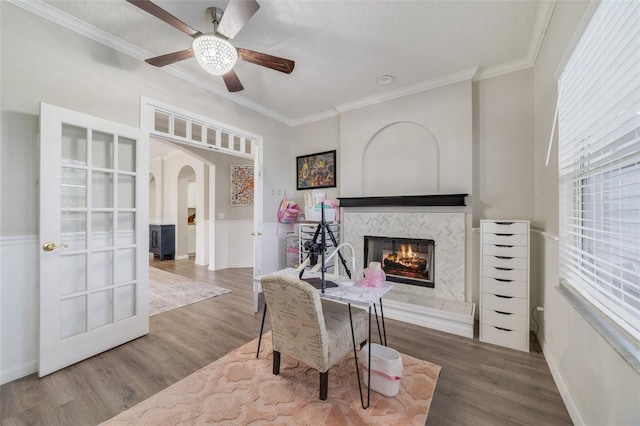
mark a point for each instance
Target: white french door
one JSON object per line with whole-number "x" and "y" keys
{"x": 93, "y": 236}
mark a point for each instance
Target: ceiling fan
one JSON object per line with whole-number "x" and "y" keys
{"x": 212, "y": 50}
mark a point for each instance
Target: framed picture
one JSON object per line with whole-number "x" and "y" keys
{"x": 241, "y": 185}
{"x": 316, "y": 170}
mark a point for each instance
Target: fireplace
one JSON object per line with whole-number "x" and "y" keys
{"x": 404, "y": 260}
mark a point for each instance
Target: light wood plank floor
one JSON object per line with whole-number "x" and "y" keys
{"x": 480, "y": 384}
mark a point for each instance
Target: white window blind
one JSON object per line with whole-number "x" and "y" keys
{"x": 599, "y": 164}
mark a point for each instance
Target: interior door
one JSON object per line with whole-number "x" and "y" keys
{"x": 257, "y": 211}
{"x": 93, "y": 235}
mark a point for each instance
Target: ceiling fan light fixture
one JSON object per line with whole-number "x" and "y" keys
{"x": 216, "y": 55}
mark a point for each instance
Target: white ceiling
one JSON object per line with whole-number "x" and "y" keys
{"x": 340, "y": 47}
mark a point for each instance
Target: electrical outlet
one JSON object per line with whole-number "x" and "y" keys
{"x": 540, "y": 308}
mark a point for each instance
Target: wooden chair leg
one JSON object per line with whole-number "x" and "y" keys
{"x": 324, "y": 385}
{"x": 276, "y": 362}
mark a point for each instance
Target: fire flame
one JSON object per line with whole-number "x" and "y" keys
{"x": 406, "y": 255}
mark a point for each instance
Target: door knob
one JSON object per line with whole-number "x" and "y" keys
{"x": 49, "y": 246}
{"x": 253, "y": 234}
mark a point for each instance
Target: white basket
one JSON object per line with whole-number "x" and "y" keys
{"x": 315, "y": 215}
{"x": 386, "y": 369}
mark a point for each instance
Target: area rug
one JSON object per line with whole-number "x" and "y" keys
{"x": 239, "y": 389}
{"x": 169, "y": 291}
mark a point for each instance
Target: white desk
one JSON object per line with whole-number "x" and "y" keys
{"x": 365, "y": 297}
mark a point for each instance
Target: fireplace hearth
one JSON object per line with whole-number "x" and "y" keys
{"x": 404, "y": 260}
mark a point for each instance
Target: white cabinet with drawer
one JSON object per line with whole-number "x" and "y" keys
{"x": 504, "y": 283}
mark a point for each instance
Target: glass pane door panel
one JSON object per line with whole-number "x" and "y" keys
{"x": 126, "y": 192}
{"x": 179, "y": 127}
{"x": 74, "y": 145}
{"x": 101, "y": 308}
{"x": 126, "y": 154}
{"x": 126, "y": 229}
{"x": 196, "y": 132}
{"x": 102, "y": 189}
{"x": 211, "y": 136}
{"x": 125, "y": 301}
{"x": 102, "y": 150}
{"x": 161, "y": 122}
{"x": 101, "y": 269}
{"x": 73, "y": 274}
{"x": 101, "y": 230}
{"x": 73, "y": 230}
{"x": 126, "y": 265}
{"x": 73, "y": 188}
{"x": 73, "y": 316}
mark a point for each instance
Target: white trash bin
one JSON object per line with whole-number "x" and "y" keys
{"x": 386, "y": 368}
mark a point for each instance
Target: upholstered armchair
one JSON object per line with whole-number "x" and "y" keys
{"x": 314, "y": 331}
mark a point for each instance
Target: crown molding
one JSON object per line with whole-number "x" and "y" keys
{"x": 46, "y": 11}
{"x": 409, "y": 90}
{"x": 314, "y": 117}
{"x": 543, "y": 18}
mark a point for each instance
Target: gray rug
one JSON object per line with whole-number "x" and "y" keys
{"x": 169, "y": 291}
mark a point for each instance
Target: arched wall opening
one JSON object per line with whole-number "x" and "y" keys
{"x": 415, "y": 169}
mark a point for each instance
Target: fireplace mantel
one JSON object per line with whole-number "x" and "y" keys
{"x": 405, "y": 200}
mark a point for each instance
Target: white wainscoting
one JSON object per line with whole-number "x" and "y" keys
{"x": 19, "y": 306}
{"x": 232, "y": 244}
{"x": 271, "y": 249}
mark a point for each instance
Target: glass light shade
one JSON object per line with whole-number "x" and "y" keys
{"x": 214, "y": 54}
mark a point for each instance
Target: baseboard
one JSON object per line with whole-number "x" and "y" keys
{"x": 576, "y": 418}
{"x": 449, "y": 322}
{"x": 18, "y": 372}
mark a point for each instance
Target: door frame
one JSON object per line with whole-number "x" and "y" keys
{"x": 247, "y": 145}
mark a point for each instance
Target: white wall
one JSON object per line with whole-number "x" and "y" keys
{"x": 42, "y": 62}
{"x": 503, "y": 166}
{"x": 445, "y": 112}
{"x": 598, "y": 386}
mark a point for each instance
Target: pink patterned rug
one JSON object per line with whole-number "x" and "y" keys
{"x": 239, "y": 389}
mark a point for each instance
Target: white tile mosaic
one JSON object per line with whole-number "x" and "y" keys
{"x": 446, "y": 229}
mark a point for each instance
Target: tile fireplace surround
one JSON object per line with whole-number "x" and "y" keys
{"x": 443, "y": 307}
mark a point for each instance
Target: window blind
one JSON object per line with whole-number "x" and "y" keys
{"x": 599, "y": 164}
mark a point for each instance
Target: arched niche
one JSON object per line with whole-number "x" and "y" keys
{"x": 401, "y": 158}
{"x": 186, "y": 175}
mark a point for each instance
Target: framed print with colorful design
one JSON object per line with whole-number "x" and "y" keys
{"x": 316, "y": 170}
{"x": 241, "y": 185}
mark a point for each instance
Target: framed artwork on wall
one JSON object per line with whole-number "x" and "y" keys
{"x": 316, "y": 170}
{"x": 241, "y": 185}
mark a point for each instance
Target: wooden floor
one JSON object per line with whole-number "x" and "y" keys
{"x": 480, "y": 384}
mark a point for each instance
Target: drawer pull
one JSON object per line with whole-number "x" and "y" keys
{"x": 503, "y": 296}
{"x": 503, "y": 269}
{"x": 502, "y": 245}
{"x": 503, "y": 257}
{"x": 504, "y": 223}
{"x": 502, "y": 313}
{"x": 504, "y": 235}
{"x": 503, "y": 280}
{"x": 500, "y": 328}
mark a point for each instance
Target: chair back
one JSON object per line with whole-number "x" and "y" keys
{"x": 297, "y": 322}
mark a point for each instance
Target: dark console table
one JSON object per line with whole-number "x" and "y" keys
{"x": 162, "y": 241}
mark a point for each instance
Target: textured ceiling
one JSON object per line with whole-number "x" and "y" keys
{"x": 340, "y": 47}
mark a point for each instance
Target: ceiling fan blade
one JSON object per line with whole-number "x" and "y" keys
{"x": 266, "y": 60}
{"x": 237, "y": 13}
{"x": 162, "y": 14}
{"x": 232, "y": 81}
{"x": 170, "y": 58}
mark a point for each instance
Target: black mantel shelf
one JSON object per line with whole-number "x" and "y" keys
{"x": 405, "y": 200}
